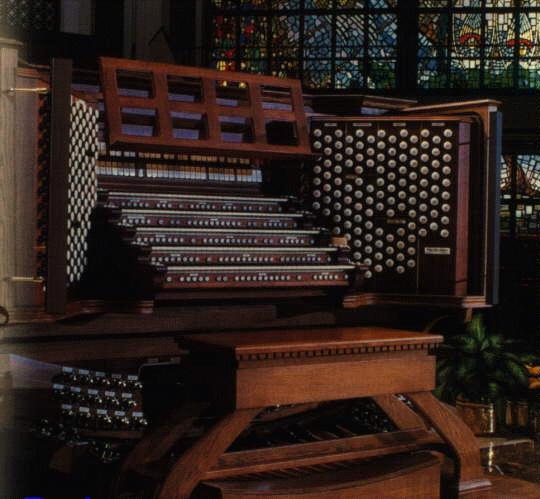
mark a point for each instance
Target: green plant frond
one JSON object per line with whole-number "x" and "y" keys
{"x": 476, "y": 328}
{"x": 518, "y": 372}
{"x": 530, "y": 359}
{"x": 514, "y": 358}
{"x": 493, "y": 390}
{"x": 491, "y": 359}
{"x": 468, "y": 344}
{"x": 446, "y": 372}
{"x": 496, "y": 341}
{"x": 481, "y": 366}
{"x": 484, "y": 345}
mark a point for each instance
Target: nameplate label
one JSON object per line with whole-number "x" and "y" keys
{"x": 437, "y": 251}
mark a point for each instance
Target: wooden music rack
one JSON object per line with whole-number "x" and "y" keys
{"x": 194, "y": 109}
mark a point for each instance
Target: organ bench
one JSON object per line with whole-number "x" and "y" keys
{"x": 247, "y": 373}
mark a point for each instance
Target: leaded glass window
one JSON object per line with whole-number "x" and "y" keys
{"x": 29, "y": 15}
{"x": 520, "y": 189}
{"x": 479, "y": 44}
{"x": 343, "y": 44}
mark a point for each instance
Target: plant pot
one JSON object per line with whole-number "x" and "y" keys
{"x": 517, "y": 414}
{"x": 480, "y": 418}
{"x": 534, "y": 421}
{"x": 522, "y": 414}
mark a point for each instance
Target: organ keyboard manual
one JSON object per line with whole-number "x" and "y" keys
{"x": 204, "y": 185}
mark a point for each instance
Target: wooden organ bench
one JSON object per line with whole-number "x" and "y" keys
{"x": 250, "y": 372}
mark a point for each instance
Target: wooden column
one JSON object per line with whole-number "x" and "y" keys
{"x": 8, "y": 248}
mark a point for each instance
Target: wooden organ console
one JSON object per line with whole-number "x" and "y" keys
{"x": 171, "y": 185}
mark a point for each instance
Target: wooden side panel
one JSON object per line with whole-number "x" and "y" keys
{"x": 26, "y": 293}
{"x": 8, "y": 166}
{"x": 58, "y": 186}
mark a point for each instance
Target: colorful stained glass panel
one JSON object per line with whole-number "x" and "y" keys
{"x": 350, "y": 4}
{"x": 349, "y": 36}
{"x": 349, "y": 74}
{"x": 382, "y": 35}
{"x": 267, "y": 36}
{"x": 530, "y": 165}
{"x": 381, "y": 74}
{"x": 318, "y": 4}
{"x": 317, "y": 73}
{"x": 317, "y": 37}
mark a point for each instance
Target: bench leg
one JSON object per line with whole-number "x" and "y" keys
{"x": 399, "y": 412}
{"x": 461, "y": 440}
{"x": 190, "y": 467}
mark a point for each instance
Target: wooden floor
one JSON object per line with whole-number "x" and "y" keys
{"x": 512, "y": 488}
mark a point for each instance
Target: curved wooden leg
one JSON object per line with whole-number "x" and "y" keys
{"x": 460, "y": 439}
{"x": 156, "y": 443}
{"x": 399, "y": 412}
{"x": 188, "y": 470}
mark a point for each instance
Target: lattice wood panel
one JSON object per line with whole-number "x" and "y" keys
{"x": 179, "y": 108}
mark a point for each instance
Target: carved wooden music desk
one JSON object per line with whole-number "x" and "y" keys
{"x": 249, "y": 371}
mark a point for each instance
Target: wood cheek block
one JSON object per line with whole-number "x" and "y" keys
{"x": 266, "y": 368}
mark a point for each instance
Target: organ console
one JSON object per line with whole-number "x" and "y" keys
{"x": 170, "y": 184}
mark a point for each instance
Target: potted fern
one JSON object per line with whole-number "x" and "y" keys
{"x": 476, "y": 370}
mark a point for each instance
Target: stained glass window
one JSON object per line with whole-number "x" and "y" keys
{"x": 343, "y": 44}
{"x": 520, "y": 188}
{"x": 479, "y": 43}
{"x": 29, "y": 15}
